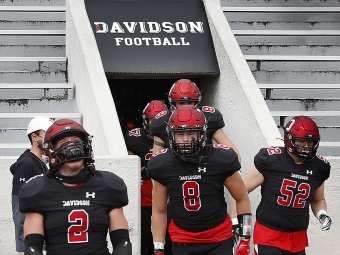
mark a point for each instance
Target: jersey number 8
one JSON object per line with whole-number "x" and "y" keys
{"x": 191, "y": 195}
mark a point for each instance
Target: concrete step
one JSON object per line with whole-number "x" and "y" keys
{"x": 9, "y": 91}
{"x": 10, "y": 25}
{"x": 22, "y": 66}
{"x": 32, "y": 40}
{"x": 7, "y": 150}
{"x": 315, "y": 50}
{"x": 293, "y": 66}
{"x": 32, "y": 51}
{"x": 327, "y": 134}
{"x": 302, "y": 94}
{"x": 32, "y": 2}
{"x": 50, "y": 104}
{"x": 38, "y": 16}
{"x": 303, "y": 105}
{"x": 33, "y": 77}
{"x": 282, "y": 17}
{"x": 21, "y": 120}
{"x": 292, "y": 25}
{"x": 324, "y": 121}
{"x": 296, "y": 76}
{"x": 289, "y": 40}
{"x": 280, "y": 3}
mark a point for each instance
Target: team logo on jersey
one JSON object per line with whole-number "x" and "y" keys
{"x": 190, "y": 177}
{"x": 92, "y": 195}
{"x": 22, "y": 179}
{"x": 76, "y": 202}
{"x": 309, "y": 172}
{"x": 202, "y": 169}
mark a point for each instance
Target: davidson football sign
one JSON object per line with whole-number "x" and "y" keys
{"x": 153, "y": 37}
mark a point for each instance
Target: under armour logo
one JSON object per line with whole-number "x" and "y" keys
{"x": 309, "y": 172}
{"x": 204, "y": 169}
{"x": 22, "y": 179}
{"x": 93, "y": 194}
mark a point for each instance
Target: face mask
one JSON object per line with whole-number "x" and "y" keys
{"x": 45, "y": 159}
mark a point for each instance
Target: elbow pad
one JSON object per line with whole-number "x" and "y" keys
{"x": 121, "y": 242}
{"x": 244, "y": 221}
{"x": 34, "y": 244}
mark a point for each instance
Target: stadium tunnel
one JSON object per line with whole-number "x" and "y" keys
{"x": 132, "y": 95}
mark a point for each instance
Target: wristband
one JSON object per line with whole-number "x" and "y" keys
{"x": 321, "y": 212}
{"x": 234, "y": 221}
{"x": 158, "y": 245}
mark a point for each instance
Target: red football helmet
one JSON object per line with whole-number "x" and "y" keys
{"x": 304, "y": 128}
{"x": 187, "y": 119}
{"x": 184, "y": 90}
{"x": 151, "y": 110}
{"x": 65, "y": 153}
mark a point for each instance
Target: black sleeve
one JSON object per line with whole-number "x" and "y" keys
{"x": 225, "y": 160}
{"x": 25, "y": 169}
{"x": 214, "y": 120}
{"x": 157, "y": 166}
{"x": 261, "y": 160}
{"x": 118, "y": 196}
{"x": 30, "y": 194}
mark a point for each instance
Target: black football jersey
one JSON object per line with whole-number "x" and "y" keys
{"x": 196, "y": 190}
{"x": 140, "y": 143}
{"x": 288, "y": 188}
{"x": 76, "y": 220}
{"x": 213, "y": 116}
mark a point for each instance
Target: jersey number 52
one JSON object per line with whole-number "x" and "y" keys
{"x": 287, "y": 191}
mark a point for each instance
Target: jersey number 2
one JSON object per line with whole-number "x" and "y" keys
{"x": 191, "y": 196}
{"x": 299, "y": 200}
{"x": 77, "y": 233}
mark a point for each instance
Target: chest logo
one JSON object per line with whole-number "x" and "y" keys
{"x": 309, "y": 172}
{"x": 203, "y": 169}
{"x": 92, "y": 195}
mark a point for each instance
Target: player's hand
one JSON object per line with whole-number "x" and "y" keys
{"x": 243, "y": 248}
{"x": 236, "y": 235}
{"x": 159, "y": 252}
{"x": 325, "y": 222}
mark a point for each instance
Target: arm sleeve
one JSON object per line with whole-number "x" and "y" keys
{"x": 24, "y": 171}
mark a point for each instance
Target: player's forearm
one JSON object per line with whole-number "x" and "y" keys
{"x": 243, "y": 206}
{"x": 318, "y": 206}
{"x": 159, "y": 221}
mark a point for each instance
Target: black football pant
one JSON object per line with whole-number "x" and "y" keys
{"x": 146, "y": 234}
{"x": 220, "y": 248}
{"x": 271, "y": 250}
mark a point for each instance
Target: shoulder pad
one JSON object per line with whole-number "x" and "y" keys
{"x": 28, "y": 193}
{"x": 119, "y": 194}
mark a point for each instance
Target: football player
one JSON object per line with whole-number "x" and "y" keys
{"x": 193, "y": 175}
{"x": 186, "y": 92}
{"x": 73, "y": 206}
{"x": 292, "y": 179}
{"x": 139, "y": 142}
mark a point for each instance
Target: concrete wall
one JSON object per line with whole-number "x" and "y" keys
{"x": 250, "y": 125}
{"x": 85, "y": 70}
